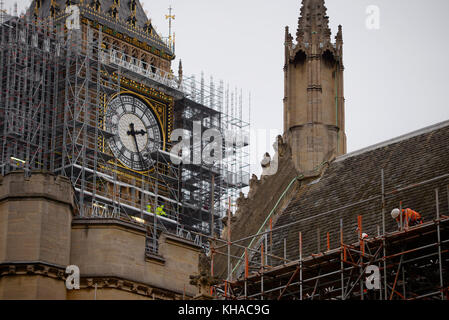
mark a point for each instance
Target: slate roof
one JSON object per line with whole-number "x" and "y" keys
{"x": 351, "y": 186}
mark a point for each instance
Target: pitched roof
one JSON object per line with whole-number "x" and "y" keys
{"x": 351, "y": 186}
{"x": 104, "y": 17}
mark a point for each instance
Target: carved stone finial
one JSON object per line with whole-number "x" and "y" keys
{"x": 253, "y": 180}
{"x": 280, "y": 146}
{"x": 180, "y": 72}
{"x": 265, "y": 163}
{"x": 288, "y": 37}
{"x": 339, "y": 36}
{"x": 241, "y": 200}
{"x": 253, "y": 184}
{"x": 204, "y": 280}
{"x": 313, "y": 20}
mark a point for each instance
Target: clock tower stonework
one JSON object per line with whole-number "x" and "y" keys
{"x": 314, "y": 104}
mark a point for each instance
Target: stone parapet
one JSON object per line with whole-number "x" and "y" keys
{"x": 35, "y": 223}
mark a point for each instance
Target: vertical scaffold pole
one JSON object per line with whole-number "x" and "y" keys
{"x": 246, "y": 273}
{"x": 362, "y": 253}
{"x": 341, "y": 261}
{"x": 383, "y": 235}
{"x": 155, "y": 217}
{"x": 404, "y": 289}
{"x": 226, "y": 289}
{"x": 285, "y": 250}
{"x": 318, "y": 240}
{"x": 261, "y": 270}
{"x": 212, "y": 253}
{"x": 362, "y": 241}
{"x": 271, "y": 240}
{"x": 300, "y": 265}
{"x": 439, "y": 243}
{"x": 266, "y": 250}
{"x": 212, "y": 207}
{"x": 229, "y": 239}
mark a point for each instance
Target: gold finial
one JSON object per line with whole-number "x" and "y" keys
{"x": 169, "y": 17}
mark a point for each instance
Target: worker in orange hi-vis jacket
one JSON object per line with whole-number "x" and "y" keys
{"x": 409, "y": 217}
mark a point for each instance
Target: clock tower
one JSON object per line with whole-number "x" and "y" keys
{"x": 115, "y": 109}
{"x": 91, "y": 96}
{"x": 88, "y": 107}
{"x": 314, "y": 110}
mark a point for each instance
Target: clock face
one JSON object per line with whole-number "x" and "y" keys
{"x": 136, "y": 132}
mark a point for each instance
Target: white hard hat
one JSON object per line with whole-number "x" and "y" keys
{"x": 395, "y": 213}
{"x": 364, "y": 235}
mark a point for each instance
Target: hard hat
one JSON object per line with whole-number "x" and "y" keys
{"x": 395, "y": 213}
{"x": 364, "y": 235}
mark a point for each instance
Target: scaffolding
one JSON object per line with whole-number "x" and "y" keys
{"x": 2, "y": 12}
{"x": 55, "y": 85}
{"x": 206, "y": 108}
{"x": 409, "y": 263}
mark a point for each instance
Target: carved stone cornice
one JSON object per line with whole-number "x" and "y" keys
{"x": 32, "y": 268}
{"x": 87, "y": 282}
{"x": 39, "y": 268}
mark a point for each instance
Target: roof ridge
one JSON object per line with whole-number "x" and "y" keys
{"x": 394, "y": 140}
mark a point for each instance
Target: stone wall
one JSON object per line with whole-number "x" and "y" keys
{"x": 39, "y": 238}
{"x": 31, "y": 287}
{"x": 35, "y": 223}
{"x": 114, "y": 251}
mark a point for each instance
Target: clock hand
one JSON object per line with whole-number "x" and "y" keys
{"x": 142, "y": 132}
{"x": 132, "y": 132}
{"x": 140, "y": 154}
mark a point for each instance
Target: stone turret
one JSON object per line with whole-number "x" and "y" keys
{"x": 314, "y": 116}
{"x": 35, "y": 235}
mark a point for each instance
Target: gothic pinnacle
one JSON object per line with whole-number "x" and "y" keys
{"x": 339, "y": 36}
{"x": 313, "y": 20}
{"x": 288, "y": 36}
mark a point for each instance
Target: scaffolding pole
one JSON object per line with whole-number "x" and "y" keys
{"x": 338, "y": 273}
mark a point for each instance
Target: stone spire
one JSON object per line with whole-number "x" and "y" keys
{"x": 313, "y": 21}
{"x": 339, "y": 39}
{"x": 180, "y": 73}
{"x": 314, "y": 104}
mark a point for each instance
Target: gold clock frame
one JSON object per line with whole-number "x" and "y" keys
{"x": 155, "y": 112}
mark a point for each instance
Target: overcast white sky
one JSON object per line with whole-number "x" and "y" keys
{"x": 396, "y": 78}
